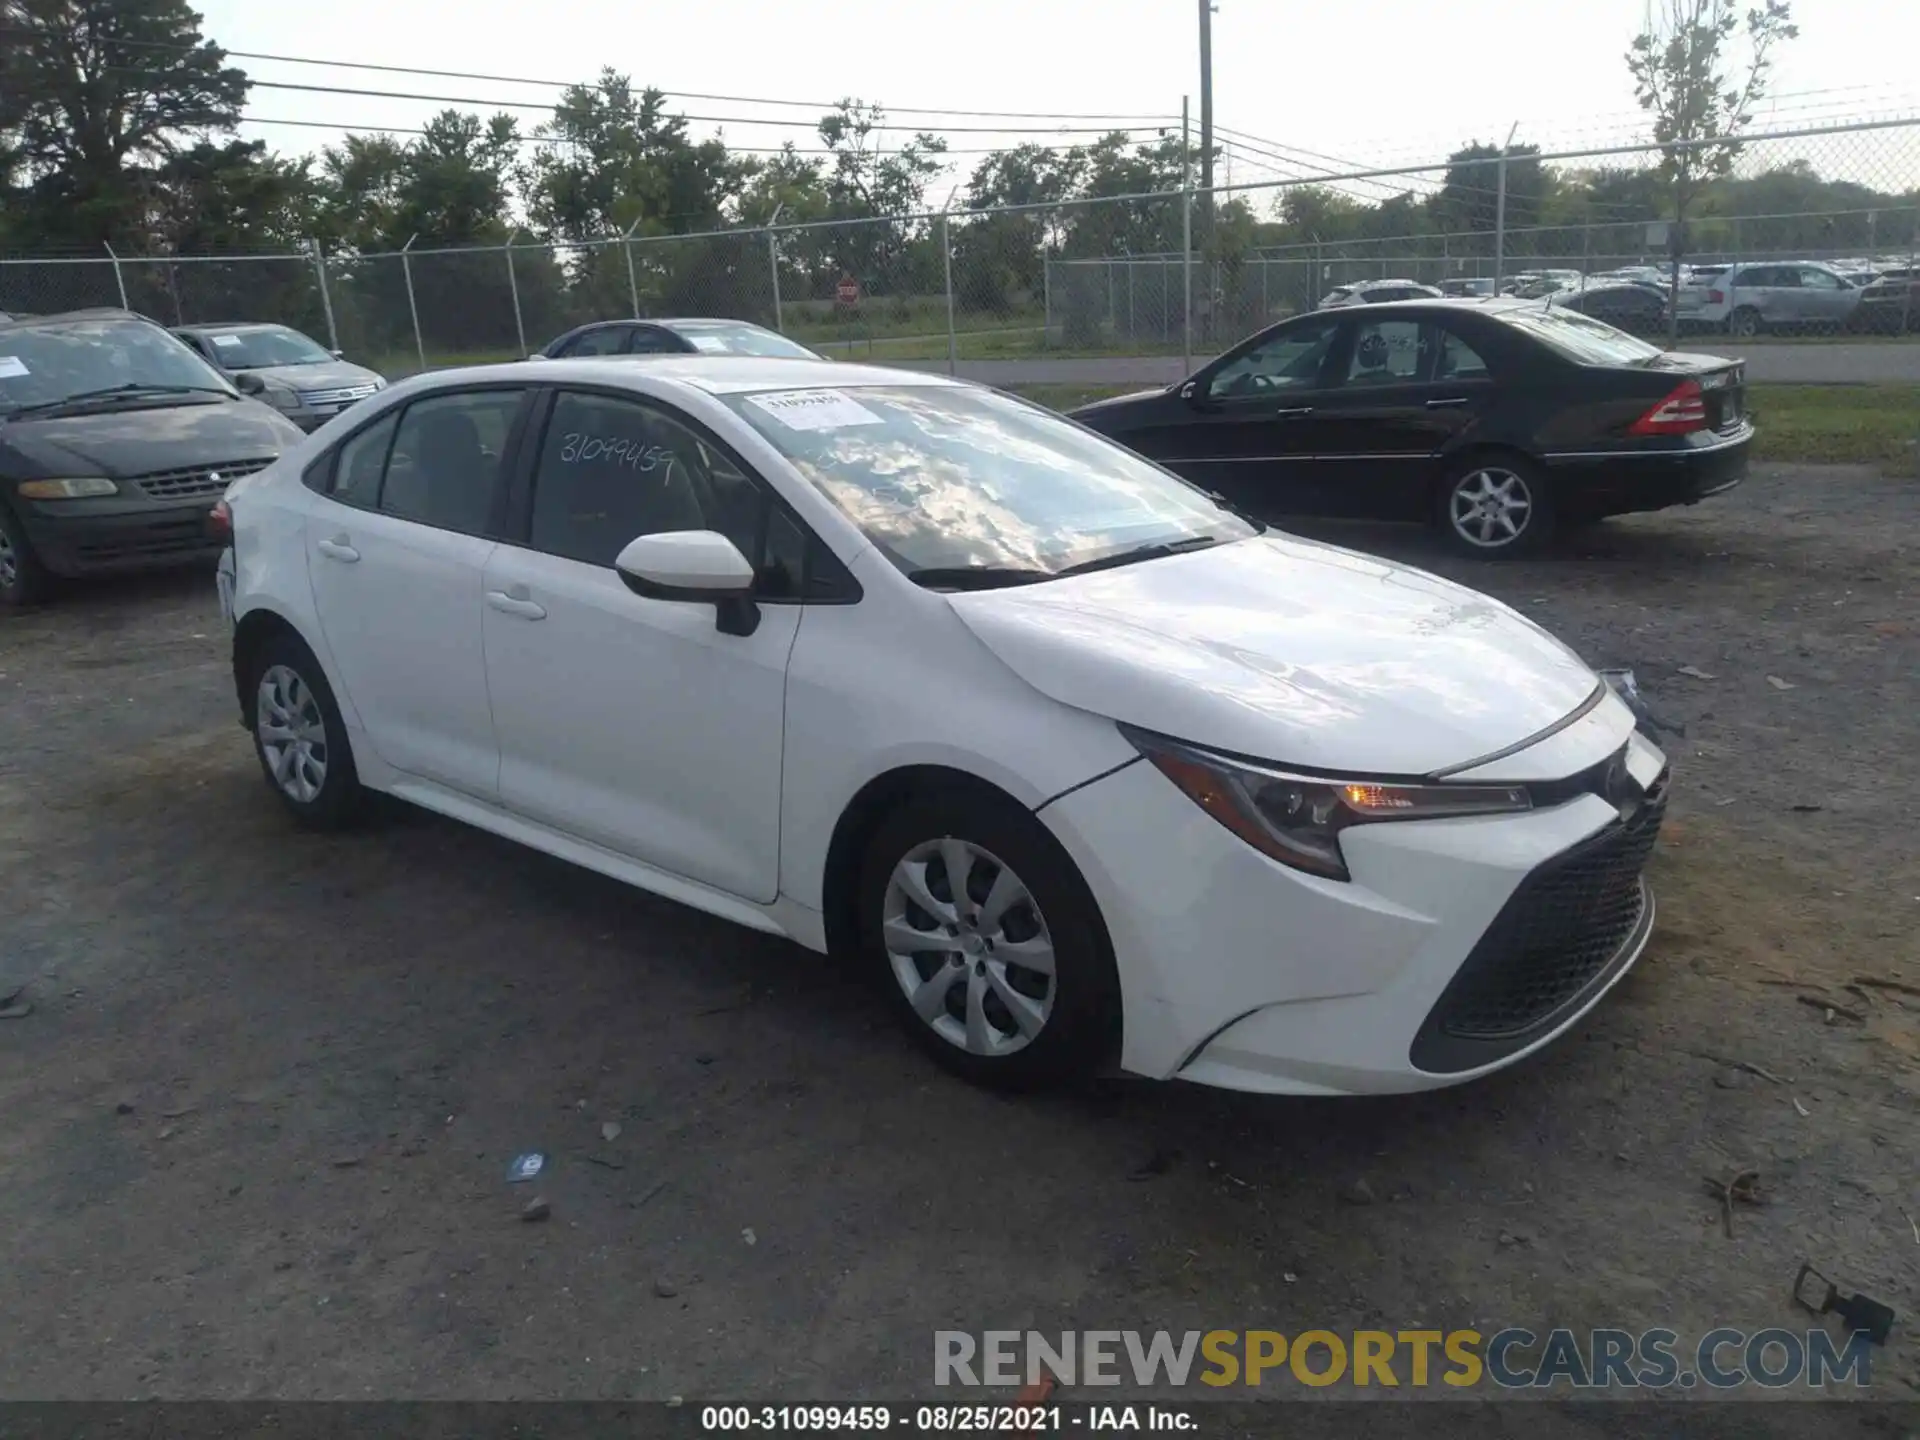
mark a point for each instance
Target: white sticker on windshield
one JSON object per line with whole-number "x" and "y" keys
{"x": 709, "y": 344}
{"x": 12, "y": 367}
{"x": 815, "y": 409}
{"x": 226, "y": 341}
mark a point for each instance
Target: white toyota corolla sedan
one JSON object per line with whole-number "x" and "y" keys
{"x": 1082, "y": 767}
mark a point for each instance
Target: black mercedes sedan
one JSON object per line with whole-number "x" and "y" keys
{"x": 116, "y": 441}
{"x": 1492, "y": 420}
{"x": 674, "y": 337}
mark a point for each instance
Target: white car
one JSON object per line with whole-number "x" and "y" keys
{"x": 1081, "y": 766}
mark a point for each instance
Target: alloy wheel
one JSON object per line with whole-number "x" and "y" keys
{"x": 9, "y": 563}
{"x": 968, "y": 946}
{"x": 1490, "y": 508}
{"x": 292, "y": 734}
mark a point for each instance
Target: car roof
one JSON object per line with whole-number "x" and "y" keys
{"x": 1457, "y": 304}
{"x": 98, "y": 312}
{"x": 709, "y": 374}
{"x": 231, "y": 327}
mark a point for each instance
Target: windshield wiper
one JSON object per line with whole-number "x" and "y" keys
{"x": 976, "y": 577}
{"x": 114, "y": 392}
{"x": 1158, "y": 550}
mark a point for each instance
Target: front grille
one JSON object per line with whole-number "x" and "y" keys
{"x": 196, "y": 480}
{"x": 340, "y": 395}
{"x": 1556, "y": 936}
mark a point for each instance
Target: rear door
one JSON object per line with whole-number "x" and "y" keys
{"x": 1247, "y": 432}
{"x": 1410, "y": 386}
{"x": 1825, "y": 301}
{"x": 396, "y": 548}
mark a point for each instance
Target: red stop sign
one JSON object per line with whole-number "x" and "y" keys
{"x": 847, "y": 292}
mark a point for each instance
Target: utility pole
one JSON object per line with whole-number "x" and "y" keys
{"x": 1206, "y": 157}
{"x": 1186, "y": 242}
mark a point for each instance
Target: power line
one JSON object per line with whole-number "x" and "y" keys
{"x": 346, "y": 128}
{"x": 821, "y": 105}
{"x": 695, "y": 119}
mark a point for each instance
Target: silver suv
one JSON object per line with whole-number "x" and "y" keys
{"x": 1746, "y": 299}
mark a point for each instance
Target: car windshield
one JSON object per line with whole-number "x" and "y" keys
{"x": 1581, "y": 338}
{"x": 42, "y": 364}
{"x": 722, "y": 339}
{"x": 946, "y": 478}
{"x": 263, "y": 348}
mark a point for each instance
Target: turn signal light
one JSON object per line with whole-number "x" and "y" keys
{"x": 220, "y": 523}
{"x": 1681, "y": 413}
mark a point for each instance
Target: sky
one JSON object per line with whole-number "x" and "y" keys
{"x": 1298, "y": 88}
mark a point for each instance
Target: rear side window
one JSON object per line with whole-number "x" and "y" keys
{"x": 444, "y": 468}
{"x": 362, "y": 460}
{"x": 648, "y": 340}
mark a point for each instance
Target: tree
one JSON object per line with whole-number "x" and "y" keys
{"x": 1468, "y": 201}
{"x": 1701, "y": 97}
{"x": 95, "y": 95}
{"x": 867, "y": 182}
{"x": 999, "y": 259}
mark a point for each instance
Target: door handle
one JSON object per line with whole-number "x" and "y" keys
{"x": 338, "y": 549}
{"x": 1292, "y": 413}
{"x": 1447, "y": 403}
{"x": 515, "y": 601}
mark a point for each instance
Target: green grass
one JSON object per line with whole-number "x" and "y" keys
{"x": 1837, "y": 424}
{"x": 1803, "y": 424}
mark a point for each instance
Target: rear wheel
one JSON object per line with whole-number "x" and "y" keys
{"x": 987, "y": 942}
{"x": 23, "y": 579}
{"x": 1744, "y": 323}
{"x": 299, "y": 735}
{"x": 1495, "y": 506}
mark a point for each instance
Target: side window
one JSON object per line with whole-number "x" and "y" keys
{"x": 611, "y": 470}
{"x": 1289, "y": 360}
{"x": 360, "y": 463}
{"x": 1458, "y": 360}
{"x": 1388, "y": 352}
{"x": 1812, "y": 279}
{"x": 446, "y": 461}
{"x": 603, "y": 340}
{"x": 647, "y": 340}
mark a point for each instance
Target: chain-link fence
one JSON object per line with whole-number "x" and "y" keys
{"x": 1809, "y": 232}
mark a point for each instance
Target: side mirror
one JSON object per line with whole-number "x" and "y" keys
{"x": 338, "y": 354}
{"x": 538, "y": 355}
{"x": 248, "y": 383}
{"x": 702, "y": 566}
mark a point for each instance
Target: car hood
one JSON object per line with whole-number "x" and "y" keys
{"x": 121, "y": 443}
{"x": 1289, "y": 651}
{"x": 334, "y": 375}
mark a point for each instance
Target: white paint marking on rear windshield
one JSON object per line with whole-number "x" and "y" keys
{"x": 815, "y": 409}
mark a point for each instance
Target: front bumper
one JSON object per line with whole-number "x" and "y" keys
{"x": 1437, "y": 963}
{"x": 1622, "y": 481}
{"x": 118, "y": 533}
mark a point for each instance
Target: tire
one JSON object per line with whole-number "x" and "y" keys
{"x": 1744, "y": 323}
{"x": 23, "y": 579}
{"x": 312, "y": 770}
{"x": 988, "y": 1018}
{"x": 1494, "y": 507}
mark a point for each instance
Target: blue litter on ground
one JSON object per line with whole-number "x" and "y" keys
{"x": 525, "y": 1167}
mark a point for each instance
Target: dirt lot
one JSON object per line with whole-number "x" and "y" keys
{"x": 254, "y": 1133}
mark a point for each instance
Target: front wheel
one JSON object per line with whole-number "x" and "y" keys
{"x": 1493, "y": 507}
{"x": 23, "y": 579}
{"x": 987, "y": 942}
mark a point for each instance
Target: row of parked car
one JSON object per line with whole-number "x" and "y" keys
{"x": 117, "y": 435}
{"x": 1871, "y": 297}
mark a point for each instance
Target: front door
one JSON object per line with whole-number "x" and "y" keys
{"x": 396, "y": 547}
{"x": 1249, "y": 430}
{"x": 635, "y": 724}
{"x": 1409, "y": 388}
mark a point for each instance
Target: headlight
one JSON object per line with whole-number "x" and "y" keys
{"x": 81, "y": 488}
{"x": 280, "y": 399}
{"x": 1297, "y": 819}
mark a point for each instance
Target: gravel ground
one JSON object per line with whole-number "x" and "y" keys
{"x": 254, "y": 1133}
